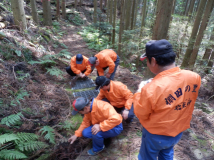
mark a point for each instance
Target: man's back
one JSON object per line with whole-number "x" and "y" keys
{"x": 165, "y": 105}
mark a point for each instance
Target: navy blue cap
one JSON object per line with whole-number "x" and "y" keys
{"x": 101, "y": 81}
{"x": 157, "y": 47}
{"x": 79, "y": 58}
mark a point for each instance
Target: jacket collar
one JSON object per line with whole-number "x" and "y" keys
{"x": 167, "y": 72}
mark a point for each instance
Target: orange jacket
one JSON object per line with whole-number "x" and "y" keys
{"x": 118, "y": 95}
{"x": 106, "y": 58}
{"x": 102, "y": 113}
{"x": 77, "y": 68}
{"x": 165, "y": 105}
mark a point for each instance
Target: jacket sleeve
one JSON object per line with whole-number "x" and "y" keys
{"x": 88, "y": 68}
{"x": 85, "y": 124}
{"x": 128, "y": 95}
{"x": 73, "y": 66}
{"x": 112, "y": 118}
{"x": 100, "y": 71}
{"x": 100, "y": 95}
{"x": 142, "y": 105}
{"x": 110, "y": 64}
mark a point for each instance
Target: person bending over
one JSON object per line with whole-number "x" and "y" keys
{"x": 100, "y": 121}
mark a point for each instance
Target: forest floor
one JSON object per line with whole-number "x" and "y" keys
{"x": 50, "y": 98}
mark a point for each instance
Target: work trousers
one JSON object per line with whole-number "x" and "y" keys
{"x": 120, "y": 110}
{"x": 160, "y": 146}
{"x": 98, "y": 139}
{"x": 115, "y": 68}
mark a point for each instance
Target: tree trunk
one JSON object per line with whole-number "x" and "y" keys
{"x": 19, "y": 14}
{"x": 57, "y": 9}
{"x": 101, "y": 5}
{"x": 133, "y": 12}
{"x": 63, "y": 9}
{"x": 110, "y": 11}
{"x": 205, "y": 20}
{"x": 210, "y": 63}
{"x": 95, "y": 11}
{"x": 193, "y": 34}
{"x": 143, "y": 17}
{"x": 186, "y": 8}
{"x": 80, "y": 2}
{"x": 173, "y": 8}
{"x": 128, "y": 14}
{"x": 164, "y": 11}
{"x": 191, "y": 6}
{"x": 121, "y": 28}
{"x": 136, "y": 13}
{"x": 75, "y": 5}
{"x": 34, "y": 11}
{"x": 107, "y": 9}
{"x": 114, "y": 22}
{"x": 47, "y": 13}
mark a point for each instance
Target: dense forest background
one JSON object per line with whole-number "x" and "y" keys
{"x": 37, "y": 40}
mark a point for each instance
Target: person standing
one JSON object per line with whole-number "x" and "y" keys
{"x": 106, "y": 58}
{"x": 100, "y": 121}
{"x": 79, "y": 66}
{"x": 164, "y": 106}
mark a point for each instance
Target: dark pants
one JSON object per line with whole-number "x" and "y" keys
{"x": 71, "y": 73}
{"x": 160, "y": 146}
{"x": 120, "y": 110}
{"x": 115, "y": 68}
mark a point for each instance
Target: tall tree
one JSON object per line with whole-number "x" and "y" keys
{"x": 190, "y": 11}
{"x": 121, "y": 27}
{"x": 63, "y": 9}
{"x": 163, "y": 16}
{"x": 80, "y": 2}
{"x": 209, "y": 48}
{"x": 133, "y": 12}
{"x": 186, "y": 8}
{"x": 136, "y": 13}
{"x": 75, "y": 5}
{"x": 114, "y": 22}
{"x": 47, "y": 12}
{"x": 173, "y": 8}
{"x": 95, "y": 11}
{"x": 34, "y": 11}
{"x": 19, "y": 13}
{"x": 193, "y": 34}
{"x": 57, "y": 9}
{"x": 101, "y": 5}
{"x": 210, "y": 63}
{"x": 128, "y": 14}
{"x": 205, "y": 20}
{"x": 143, "y": 17}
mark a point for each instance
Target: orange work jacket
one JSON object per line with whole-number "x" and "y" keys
{"x": 165, "y": 105}
{"x": 106, "y": 58}
{"x": 77, "y": 68}
{"x": 102, "y": 113}
{"x": 118, "y": 95}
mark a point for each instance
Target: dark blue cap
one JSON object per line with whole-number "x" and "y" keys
{"x": 79, "y": 58}
{"x": 157, "y": 47}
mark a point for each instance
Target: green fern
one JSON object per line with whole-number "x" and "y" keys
{"x": 31, "y": 145}
{"x": 12, "y": 119}
{"x": 55, "y": 71}
{"x": 7, "y": 138}
{"x": 25, "y": 137}
{"x": 47, "y": 61}
{"x": 50, "y": 134}
{"x": 68, "y": 125}
{"x": 12, "y": 154}
{"x": 19, "y": 96}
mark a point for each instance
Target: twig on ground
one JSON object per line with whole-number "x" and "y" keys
{"x": 14, "y": 73}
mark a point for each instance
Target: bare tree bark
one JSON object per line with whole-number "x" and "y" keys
{"x": 208, "y": 51}
{"x": 57, "y": 9}
{"x": 101, "y": 5}
{"x": 128, "y": 14}
{"x": 210, "y": 63}
{"x": 193, "y": 34}
{"x": 80, "y": 2}
{"x": 63, "y": 9}
{"x": 186, "y": 8}
{"x": 95, "y": 11}
{"x": 19, "y": 14}
{"x": 143, "y": 17}
{"x": 191, "y": 10}
{"x": 34, "y": 11}
{"x": 114, "y": 22}
{"x": 132, "y": 16}
{"x": 121, "y": 28}
{"x": 47, "y": 12}
{"x": 75, "y": 5}
{"x": 164, "y": 11}
{"x": 173, "y": 8}
{"x": 136, "y": 13}
{"x": 205, "y": 20}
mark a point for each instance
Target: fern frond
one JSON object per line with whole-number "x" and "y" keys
{"x": 12, "y": 154}
{"x": 12, "y": 119}
{"x": 25, "y": 137}
{"x": 7, "y": 137}
{"x": 32, "y": 145}
{"x": 55, "y": 71}
{"x": 50, "y": 134}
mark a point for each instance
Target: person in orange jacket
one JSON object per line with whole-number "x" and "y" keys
{"x": 100, "y": 121}
{"x": 164, "y": 106}
{"x": 79, "y": 66}
{"x": 106, "y": 58}
{"x": 118, "y": 95}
